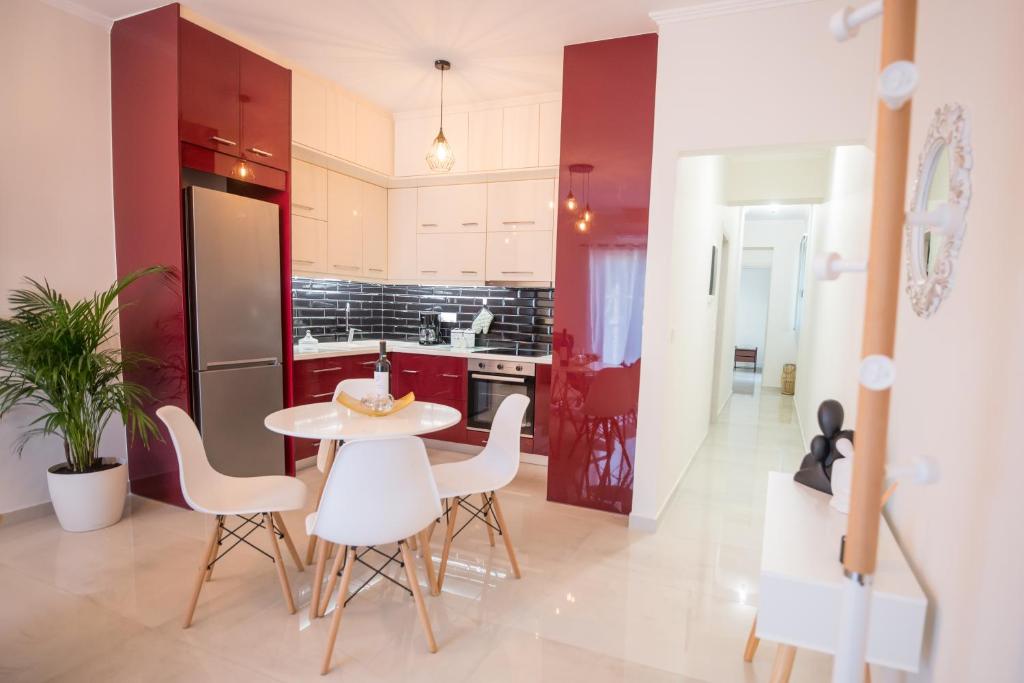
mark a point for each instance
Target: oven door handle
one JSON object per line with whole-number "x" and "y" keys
{"x": 497, "y": 378}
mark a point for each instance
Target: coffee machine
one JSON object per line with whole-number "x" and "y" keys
{"x": 430, "y": 328}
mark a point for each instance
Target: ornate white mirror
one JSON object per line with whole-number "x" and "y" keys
{"x": 937, "y": 217}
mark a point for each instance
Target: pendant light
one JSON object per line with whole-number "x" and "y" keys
{"x": 440, "y": 156}
{"x": 583, "y": 215}
{"x": 570, "y": 199}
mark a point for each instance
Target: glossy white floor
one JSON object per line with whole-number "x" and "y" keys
{"x": 596, "y": 601}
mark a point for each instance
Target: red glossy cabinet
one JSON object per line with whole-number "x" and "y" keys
{"x": 315, "y": 381}
{"x": 231, "y": 100}
{"x": 266, "y": 111}
{"x": 439, "y": 379}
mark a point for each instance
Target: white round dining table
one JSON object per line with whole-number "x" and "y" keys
{"x": 333, "y": 421}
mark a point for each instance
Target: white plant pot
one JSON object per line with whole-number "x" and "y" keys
{"x": 88, "y": 501}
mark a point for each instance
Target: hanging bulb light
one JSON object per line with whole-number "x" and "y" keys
{"x": 587, "y": 214}
{"x": 243, "y": 171}
{"x": 581, "y": 225}
{"x": 440, "y": 157}
{"x": 570, "y": 199}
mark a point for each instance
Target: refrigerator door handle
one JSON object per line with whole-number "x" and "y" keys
{"x": 241, "y": 363}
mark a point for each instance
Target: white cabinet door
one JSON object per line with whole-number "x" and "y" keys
{"x": 549, "y": 133}
{"x": 413, "y": 137}
{"x": 519, "y": 256}
{"x": 485, "y": 140}
{"x": 309, "y": 190}
{"x": 309, "y": 245}
{"x": 341, "y": 124}
{"x": 452, "y": 208}
{"x": 521, "y": 205}
{"x": 344, "y": 225}
{"x": 402, "y": 234}
{"x": 375, "y": 231}
{"x": 374, "y": 139}
{"x": 519, "y": 133}
{"x": 309, "y": 111}
{"x": 450, "y": 257}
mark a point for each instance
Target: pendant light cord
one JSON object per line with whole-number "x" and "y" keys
{"x": 441, "y": 127}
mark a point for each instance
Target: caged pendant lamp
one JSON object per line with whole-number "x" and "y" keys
{"x": 440, "y": 156}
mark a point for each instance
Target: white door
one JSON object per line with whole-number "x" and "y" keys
{"x": 374, "y": 139}
{"x": 309, "y": 190}
{"x": 309, "y": 111}
{"x": 521, "y": 205}
{"x": 519, "y": 256}
{"x": 309, "y": 245}
{"x": 375, "y": 231}
{"x": 341, "y": 124}
{"x": 519, "y": 136}
{"x": 485, "y": 140}
{"x": 402, "y": 234}
{"x": 549, "y": 134}
{"x": 344, "y": 225}
{"x": 452, "y": 208}
{"x": 450, "y": 257}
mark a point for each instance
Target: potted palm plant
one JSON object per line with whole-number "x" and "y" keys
{"x": 60, "y": 358}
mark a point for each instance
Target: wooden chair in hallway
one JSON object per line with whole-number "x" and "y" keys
{"x": 257, "y": 501}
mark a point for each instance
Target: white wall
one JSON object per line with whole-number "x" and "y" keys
{"x": 56, "y": 206}
{"x": 752, "y": 310}
{"x": 730, "y": 271}
{"x": 709, "y": 70}
{"x": 829, "y": 348}
{"x": 782, "y": 237}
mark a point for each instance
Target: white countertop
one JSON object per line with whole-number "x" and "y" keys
{"x": 362, "y": 346}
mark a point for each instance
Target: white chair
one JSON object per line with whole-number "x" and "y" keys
{"x": 378, "y": 492}
{"x": 356, "y": 388}
{"x": 494, "y": 468}
{"x": 258, "y": 501}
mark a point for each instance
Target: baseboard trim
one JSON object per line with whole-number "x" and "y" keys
{"x": 44, "y": 509}
{"x": 650, "y": 524}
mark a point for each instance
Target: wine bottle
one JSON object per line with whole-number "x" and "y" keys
{"x": 382, "y": 371}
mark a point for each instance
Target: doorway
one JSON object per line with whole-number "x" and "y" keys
{"x": 750, "y": 348}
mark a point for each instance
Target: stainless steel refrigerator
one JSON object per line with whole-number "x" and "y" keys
{"x": 234, "y": 296}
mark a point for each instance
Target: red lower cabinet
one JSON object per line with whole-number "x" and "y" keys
{"x": 315, "y": 381}
{"x": 438, "y": 379}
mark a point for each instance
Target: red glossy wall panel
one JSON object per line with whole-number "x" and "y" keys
{"x": 608, "y": 122}
{"x": 209, "y": 90}
{"x": 266, "y": 100}
{"x": 147, "y": 218}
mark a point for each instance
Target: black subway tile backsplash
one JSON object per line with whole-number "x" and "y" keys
{"x": 524, "y": 316}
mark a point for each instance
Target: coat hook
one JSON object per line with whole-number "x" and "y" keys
{"x": 846, "y": 22}
{"x": 946, "y": 219}
{"x": 897, "y": 83}
{"x": 831, "y": 265}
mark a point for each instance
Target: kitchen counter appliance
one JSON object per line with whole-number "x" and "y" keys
{"x": 490, "y": 382}
{"x": 430, "y": 328}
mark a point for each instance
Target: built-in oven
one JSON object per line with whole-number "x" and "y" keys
{"x": 490, "y": 382}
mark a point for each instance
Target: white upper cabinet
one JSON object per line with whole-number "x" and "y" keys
{"x": 521, "y": 205}
{"x": 309, "y": 110}
{"x": 309, "y": 190}
{"x": 451, "y": 257}
{"x": 309, "y": 245}
{"x": 519, "y": 135}
{"x": 344, "y": 225}
{"x": 519, "y": 256}
{"x": 413, "y": 136}
{"x": 452, "y": 208}
{"x": 375, "y": 231}
{"x": 402, "y": 233}
{"x": 341, "y": 124}
{"x": 549, "y": 133}
{"x": 485, "y": 139}
{"x": 374, "y": 139}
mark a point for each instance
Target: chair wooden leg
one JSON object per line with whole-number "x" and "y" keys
{"x": 279, "y": 521}
{"x": 414, "y": 585}
{"x": 312, "y": 542}
{"x": 318, "y": 582}
{"x": 487, "y": 519}
{"x": 201, "y": 576}
{"x": 412, "y": 543}
{"x": 336, "y": 620}
{"x": 783, "y": 666}
{"x": 282, "y": 575}
{"x": 453, "y": 511}
{"x": 311, "y": 545}
{"x": 867, "y": 673}
{"x": 332, "y": 581}
{"x": 504, "y": 534}
{"x": 214, "y": 550}
{"x": 752, "y": 642}
{"x": 428, "y": 560}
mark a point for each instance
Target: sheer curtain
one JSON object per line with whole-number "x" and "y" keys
{"x": 617, "y": 302}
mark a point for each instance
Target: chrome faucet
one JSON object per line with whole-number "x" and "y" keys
{"x": 348, "y": 326}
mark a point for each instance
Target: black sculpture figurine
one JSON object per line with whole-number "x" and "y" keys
{"x": 816, "y": 468}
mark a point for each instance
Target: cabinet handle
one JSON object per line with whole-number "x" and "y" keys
{"x": 302, "y": 260}
{"x": 517, "y": 272}
{"x": 329, "y": 393}
{"x": 428, "y": 225}
{"x": 449, "y": 375}
{"x": 260, "y": 152}
{"x": 332, "y": 369}
{"x": 518, "y": 222}
{"x": 411, "y": 372}
{"x": 223, "y": 141}
{"x": 346, "y": 267}
{"x": 471, "y": 223}
{"x": 296, "y": 205}
{"x": 428, "y": 271}
{"x": 376, "y": 270}
{"x": 369, "y": 362}
{"x": 470, "y": 272}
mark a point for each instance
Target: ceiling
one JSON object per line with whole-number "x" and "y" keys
{"x": 384, "y": 50}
